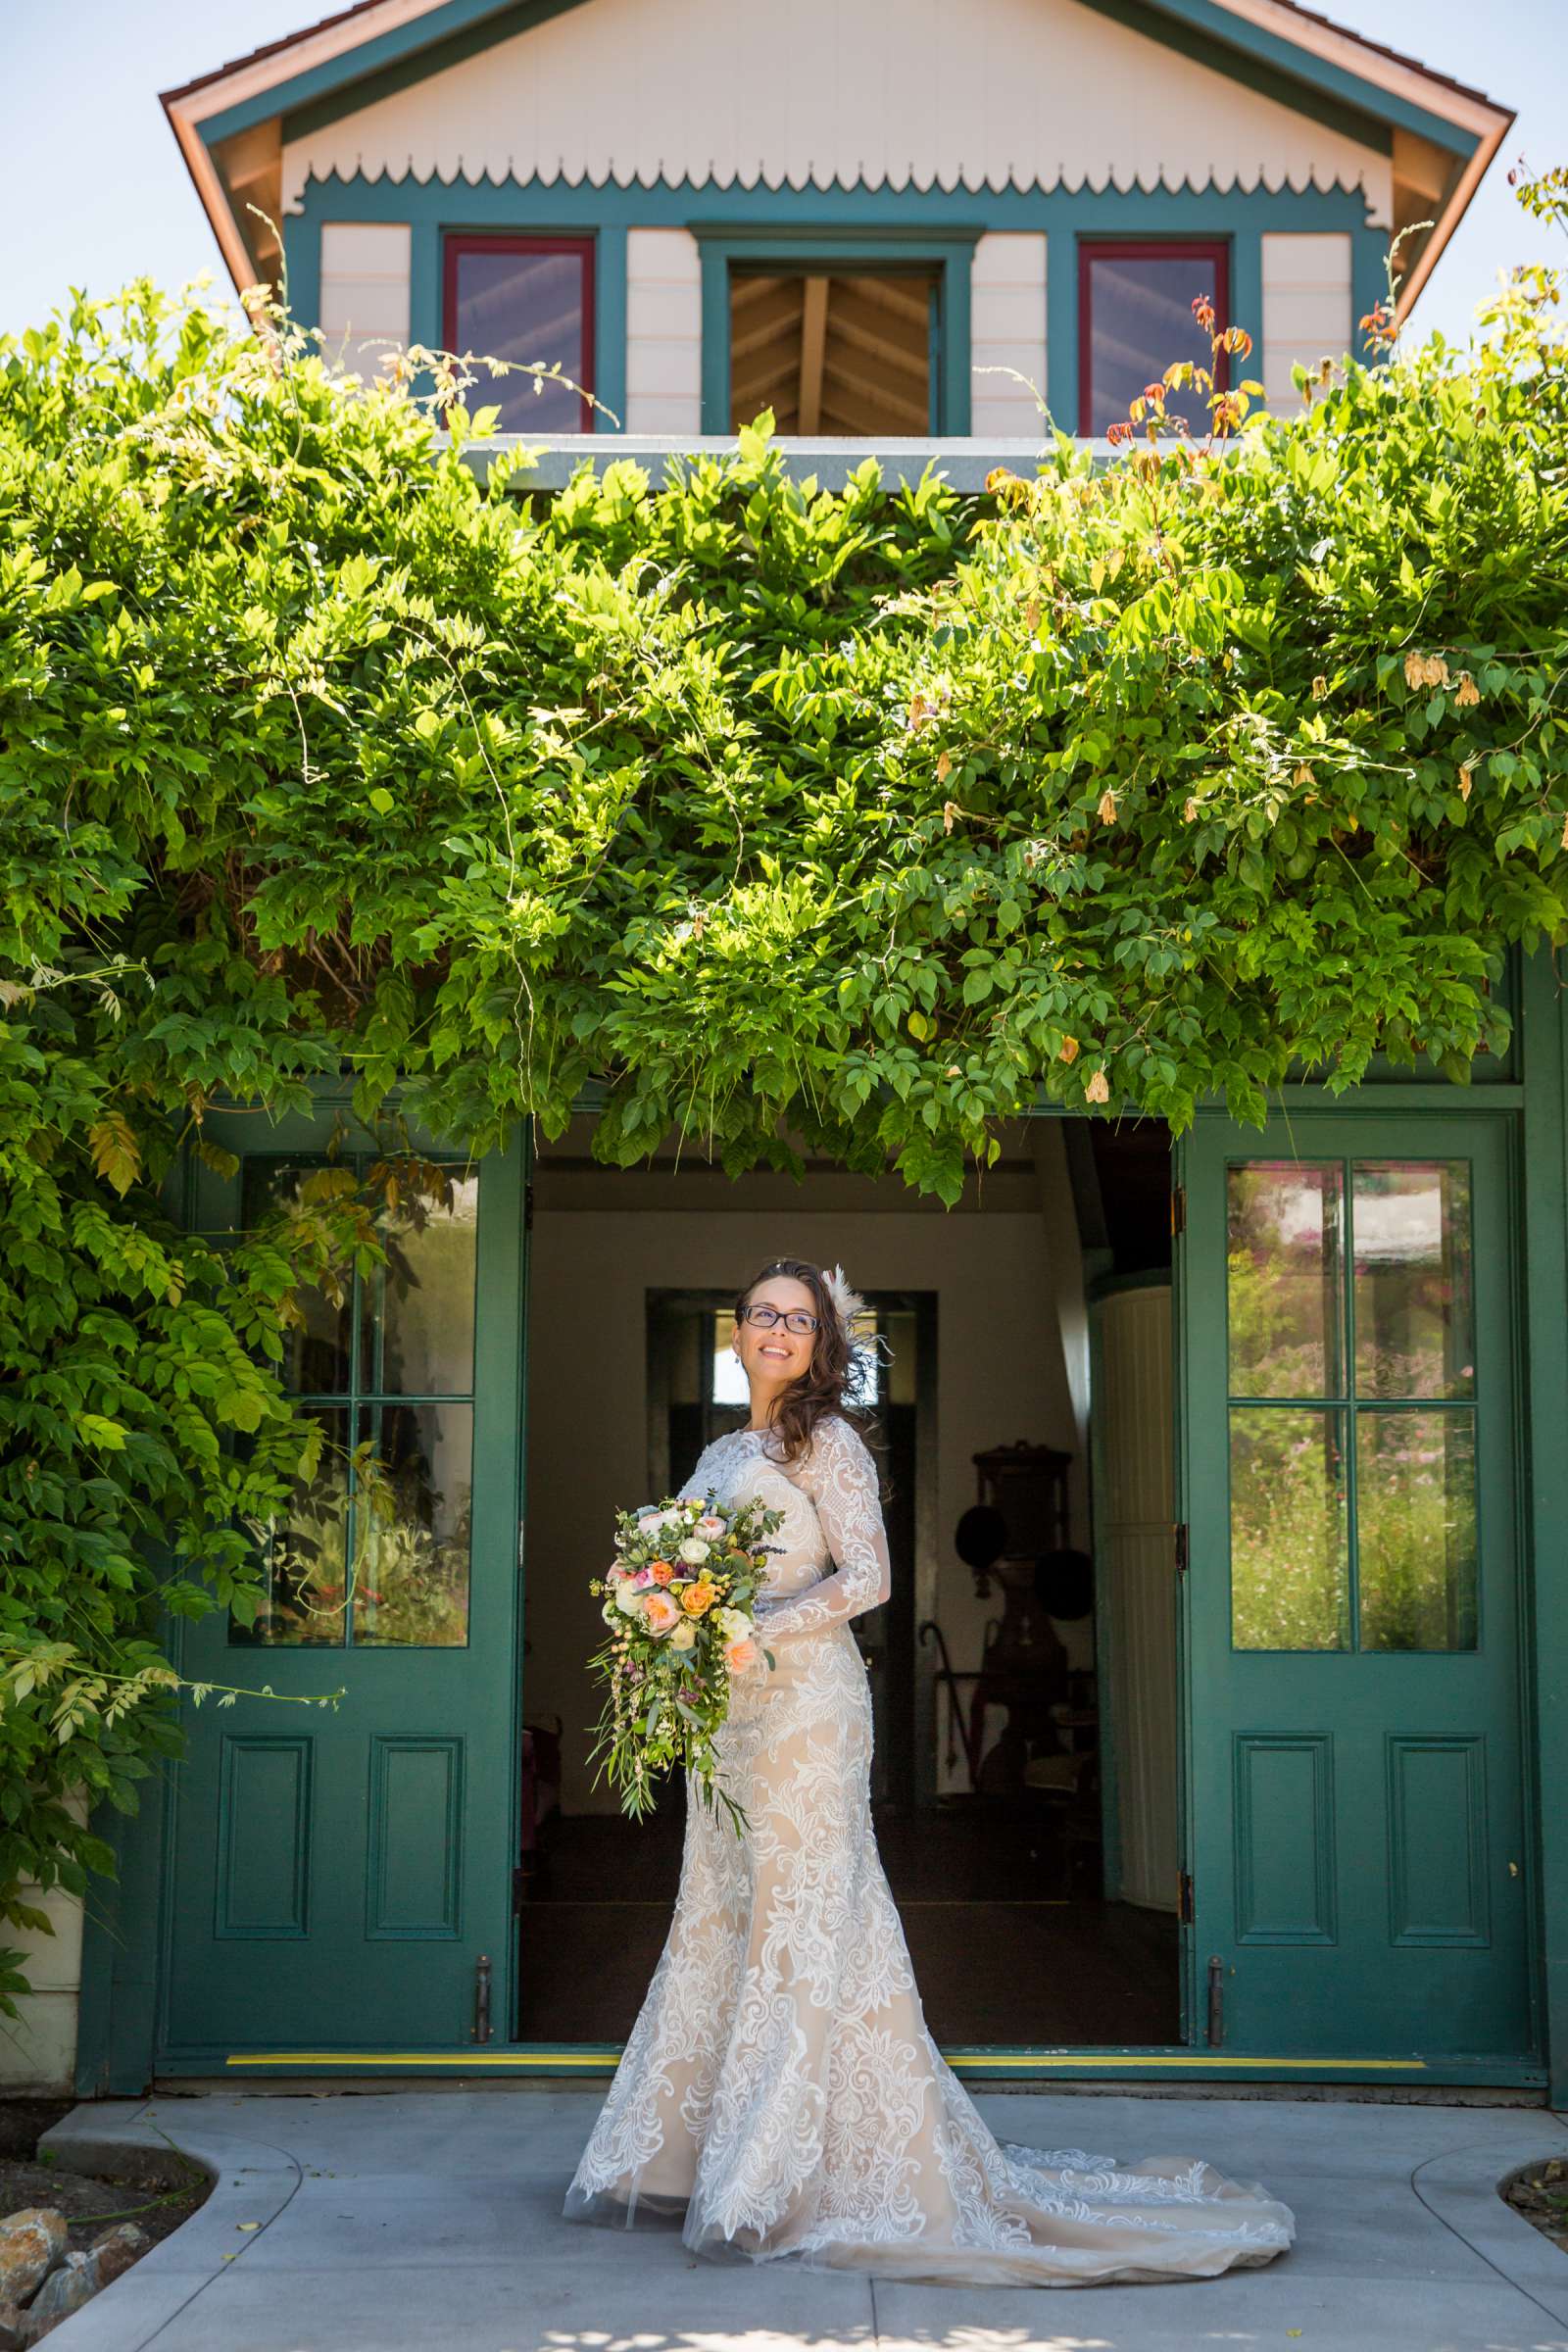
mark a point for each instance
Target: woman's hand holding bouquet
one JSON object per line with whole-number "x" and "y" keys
{"x": 680, "y": 1602}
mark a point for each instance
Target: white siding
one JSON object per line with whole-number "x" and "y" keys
{"x": 1306, "y": 308}
{"x": 38, "y": 2052}
{"x": 663, "y": 331}
{"x": 1008, "y": 329}
{"x": 365, "y": 291}
{"x": 885, "y": 93}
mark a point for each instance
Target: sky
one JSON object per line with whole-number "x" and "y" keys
{"x": 94, "y": 191}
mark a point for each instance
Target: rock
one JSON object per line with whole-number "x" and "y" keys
{"x": 78, "y": 2280}
{"x": 13, "y": 2327}
{"x": 65, "y": 2291}
{"x": 31, "y": 2242}
{"x": 116, "y": 2250}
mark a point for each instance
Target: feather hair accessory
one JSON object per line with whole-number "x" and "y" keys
{"x": 848, "y": 1304}
{"x": 866, "y": 1349}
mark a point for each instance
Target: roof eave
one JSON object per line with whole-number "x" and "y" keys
{"x": 196, "y": 107}
{"x": 1450, "y": 215}
{"x": 210, "y": 189}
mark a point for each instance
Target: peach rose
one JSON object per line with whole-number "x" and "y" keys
{"x": 741, "y": 1655}
{"x": 698, "y": 1597}
{"x": 659, "y": 1614}
{"x": 660, "y": 1571}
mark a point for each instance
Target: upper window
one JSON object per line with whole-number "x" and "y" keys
{"x": 1135, "y": 320}
{"x": 528, "y": 300}
{"x": 848, "y": 353}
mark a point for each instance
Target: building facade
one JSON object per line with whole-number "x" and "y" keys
{"x": 1270, "y": 1802}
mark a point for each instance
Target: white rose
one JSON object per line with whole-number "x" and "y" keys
{"x": 733, "y": 1624}
{"x": 694, "y": 1551}
{"x": 683, "y": 1635}
{"x": 628, "y": 1599}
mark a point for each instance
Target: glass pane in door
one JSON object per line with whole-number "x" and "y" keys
{"x": 307, "y": 1550}
{"x": 1289, "y": 1554}
{"x": 1416, "y": 1528}
{"x": 1283, "y": 1279}
{"x": 416, "y": 1510}
{"x": 1415, "y": 1318}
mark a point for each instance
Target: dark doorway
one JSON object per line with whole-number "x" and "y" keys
{"x": 988, "y": 1670}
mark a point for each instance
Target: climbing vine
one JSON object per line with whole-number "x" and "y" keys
{"x": 853, "y": 822}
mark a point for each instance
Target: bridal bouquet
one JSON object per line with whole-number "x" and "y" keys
{"x": 680, "y": 1602}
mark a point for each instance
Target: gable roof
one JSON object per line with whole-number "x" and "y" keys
{"x": 230, "y": 122}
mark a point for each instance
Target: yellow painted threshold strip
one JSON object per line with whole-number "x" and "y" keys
{"x": 558, "y": 2060}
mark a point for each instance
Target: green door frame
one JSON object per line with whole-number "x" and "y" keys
{"x": 121, "y": 1957}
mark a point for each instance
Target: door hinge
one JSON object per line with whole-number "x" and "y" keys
{"x": 1216, "y": 2001}
{"x": 1179, "y": 1531}
{"x": 527, "y": 1208}
{"x": 520, "y": 1890}
{"x": 481, "y": 1997}
{"x": 1178, "y": 1209}
{"x": 1184, "y": 1897}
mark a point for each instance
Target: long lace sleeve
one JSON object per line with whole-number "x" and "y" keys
{"x": 840, "y": 1477}
{"x": 699, "y": 1479}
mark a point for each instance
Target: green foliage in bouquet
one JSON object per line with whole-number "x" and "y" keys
{"x": 680, "y": 1602}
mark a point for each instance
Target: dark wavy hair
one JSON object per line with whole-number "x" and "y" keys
{"x": 831, "y": 1382}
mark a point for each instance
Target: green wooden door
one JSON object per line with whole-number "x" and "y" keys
{"x": 336, "y": 1876}
{"x": 1350, "y": 1422}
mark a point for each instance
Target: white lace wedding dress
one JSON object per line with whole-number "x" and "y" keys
{"x": 780, "y": 2090}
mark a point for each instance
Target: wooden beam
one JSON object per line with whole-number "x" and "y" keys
{"x": 857, "y": 334}
{"x": 903, "y": 295}
{"x": 814, "y": 337}
{"x": 757, "y": 330}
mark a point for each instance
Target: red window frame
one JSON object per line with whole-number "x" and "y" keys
{"x": 457, "y": 243}
{"x": 1214, "y": 252}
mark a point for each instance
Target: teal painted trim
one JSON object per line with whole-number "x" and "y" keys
{"x": 1545, "y": 1304}
{"x": 610, "y": 328}
{"x": 425, "y": 322}
{"x": 302, "y": 268}
{"x": 908, "y": 225}
{"x": 499, "y": 1370}
{"x": 715, "y": 355}
{"x": 123, "y": 1928}
{"x": 390, "y": 60}
{"x": 950, "y": 248}
{"x": 411, "y": 53}
{"x": 1369, "y": 285}
{"x": 117, "y": 2016}
{"x": 1181, "y": 1471}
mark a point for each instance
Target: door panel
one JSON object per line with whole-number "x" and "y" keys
{"x": 336, "y": 1873}
{"x": 1357, "y": 1832}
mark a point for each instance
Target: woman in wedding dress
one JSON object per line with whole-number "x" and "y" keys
{"x": 780, "y": 2090}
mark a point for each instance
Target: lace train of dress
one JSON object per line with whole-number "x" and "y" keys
{"x": 780, "y": 2092}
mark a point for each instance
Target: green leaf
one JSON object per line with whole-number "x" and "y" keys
{"x": 98, "y": 1429}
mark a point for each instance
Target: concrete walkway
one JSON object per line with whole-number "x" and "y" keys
{"x": 430, "y": 2222}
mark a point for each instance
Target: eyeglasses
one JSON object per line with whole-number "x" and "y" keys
{"x": 768, "y": 1319}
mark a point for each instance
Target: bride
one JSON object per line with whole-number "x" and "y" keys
{"x": 780, "y": 2090}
